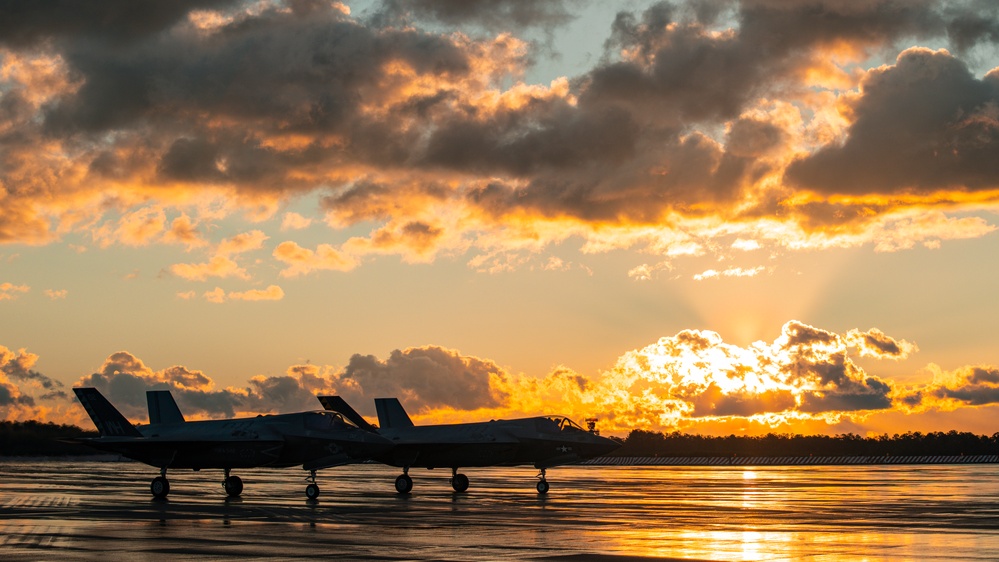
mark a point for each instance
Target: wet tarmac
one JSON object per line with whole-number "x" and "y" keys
{"x": 73, "y": 510}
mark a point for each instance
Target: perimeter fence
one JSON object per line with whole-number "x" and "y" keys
{"x": 790, "y": 461}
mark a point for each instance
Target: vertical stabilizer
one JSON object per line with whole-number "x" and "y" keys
{"x": 162, "y": 407}
{"x": 106, "y": 417}
{"x": 340, "y": 406}
{"x": 391, "y": 413}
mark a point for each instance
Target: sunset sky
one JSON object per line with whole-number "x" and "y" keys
{"x": 713, "y": 216}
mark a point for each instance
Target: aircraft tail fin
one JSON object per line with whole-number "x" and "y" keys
{"x": 391, "y": 413}
{"x": 106, "y": 417}
{"x": 162, "y": 407}
{"x": 340, "y": 406}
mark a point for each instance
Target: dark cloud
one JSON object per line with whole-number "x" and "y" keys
{"x": 678, "y": 72}
{"x": 499, "y": 15}
{"x": 921, "y": 125}
{"x": 875, "y": 343}
{"x": 678, "y": 175}
{"x": 684, "y": 71}
{"x": 124, "y": 380}
{"x": 11, "y": 396}
{"x": 969, "y": 27}
{"x": 542, "y": 136}
{"x": 25, "y": 23}
{"x": 17, "y": 368}
{"x": 751, "y": 138}
{"x": 971, "y": 395}
{"x": 802, "y": 335}
{"x": 365, "y": 200}
{"x": 967, "y": 386}
{"x": 867, "y": 394}
{"x": 984, "y": 375}
{"x": 819, "y": 359}
{"x": 269, "y": 99}
{"x": 278, "y": 394}
{"x": 295, "y": 71}
{"x": 422, "y": 378}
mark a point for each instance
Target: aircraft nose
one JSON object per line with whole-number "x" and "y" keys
{"x": 605, "y": 445}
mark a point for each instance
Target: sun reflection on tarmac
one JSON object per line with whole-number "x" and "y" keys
{"x": 74, "y": 510}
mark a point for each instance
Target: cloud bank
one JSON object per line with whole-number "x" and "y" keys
{"x": 805, "y": 380}
{"x": 702, "y": 124}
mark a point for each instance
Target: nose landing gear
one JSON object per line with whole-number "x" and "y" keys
{"x": 458, "y": 481}
{"x": 542, "y": 483}
{"x": 404, "y": 484}
{"x": 160, "y": 486}
{"x": 233, "y": 485}
{"x": 312, "y": 490}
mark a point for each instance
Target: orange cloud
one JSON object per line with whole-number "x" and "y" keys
{"x": 218, "y": 266}
{"x": 967, "y": 386}
{"x": 295, "y": 221}
{"x": 183, "y": 230}
{"x": 301, "y": 261}
{"x": 10, "y": 291}
{"x": 222, "y": 264}
{"x": 56, "y": 294}
{"x": 137, "y": 228}
{"x": 219, "y": 296}
{"x": 241, "y": 243}
{"x": 25, "y": 393}
{"x": 271, "y": 293}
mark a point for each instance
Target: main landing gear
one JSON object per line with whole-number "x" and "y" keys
{"x": 233, "y": 485}
{"x": 458, "y": 481}
{"x": 160, "y": 486}
{"x": 404, "y": 484}
{"x": 542, "y": 483}
{"x": 312, "y": 490}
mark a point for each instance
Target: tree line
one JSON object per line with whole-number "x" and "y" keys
{"x": 37, "y": 439}
{"x": 33, "y": 438}
{"x": 641, "y": 443}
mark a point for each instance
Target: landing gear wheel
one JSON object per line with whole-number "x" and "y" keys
{"x": 542, "y": 487}
{"x": 233, "y": 486}
{"x": 160, "y": 487}
{"x": 403, "y": 484}
{"x": 312, "y": 491}
{"x": 459, "y": 482}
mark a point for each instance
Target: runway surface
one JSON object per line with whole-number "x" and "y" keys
{"x": 71, "y": 510}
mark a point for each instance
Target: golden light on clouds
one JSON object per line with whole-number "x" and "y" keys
{"x": 694, "y": 381}
{"x": 651, "y": 165}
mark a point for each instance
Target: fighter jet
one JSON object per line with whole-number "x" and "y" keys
{"x": 544, "y": 441}
{"x": 315, "y": 440}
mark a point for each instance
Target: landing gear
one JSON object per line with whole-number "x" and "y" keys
{"x": 233, "y": 485}
{"x": 542, "y": 483}
{"x": 312, "y": 490}
{"x": 160, "y": 486}
{"x": 458, "y": 481}
{"x": 404, "y": 484}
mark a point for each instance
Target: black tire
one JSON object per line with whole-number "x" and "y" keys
{"x": 312, "y": 491}
{"x": 233, "y": 486}
{"x": 403, "y": 484}
{"x": 160, "y": 487}
{"x": 459, "y": 482}
{"x": 542, "y": 487}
